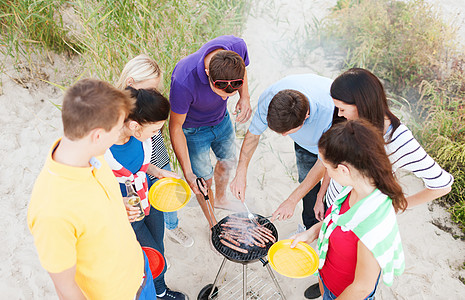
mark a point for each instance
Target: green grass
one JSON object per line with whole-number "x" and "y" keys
{"x": 114, "y": 31}
{"x": 408, "y": 45}
{"x": 403, "y": 42}
{"x": 105, "y": 34}
{"x": 442, "y": 134}
{"x": 28, "y": 24}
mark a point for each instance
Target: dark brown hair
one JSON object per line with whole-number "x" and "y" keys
{"x": 361, "y": 145}
{"x": 226, "y": 65}
{"x": 91, "y": 104}
{"x": 151, "y": 106}
{"x": 287, "y": 110}
{"x": 363, "y": 89}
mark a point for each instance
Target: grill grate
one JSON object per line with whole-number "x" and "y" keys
{"x": 254, "y": 252}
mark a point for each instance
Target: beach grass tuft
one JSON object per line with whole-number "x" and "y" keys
{"x": 106, "y": 34}
{"x": 408, "y": 45}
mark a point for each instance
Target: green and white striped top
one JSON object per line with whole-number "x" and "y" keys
{"x": 373, "y": 221}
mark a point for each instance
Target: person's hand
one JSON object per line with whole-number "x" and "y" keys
{"x": 284, "y": 211}
{"x": 133, "y": 212}
{"x": 160, "y": 173}
{"x": 243, "y": 110}
{"x": 319, "y": 207}
{"x": 191, "y": 180}
{"x": 307, "y": 236}
{"x": 237, "y": 187}
{"x": 165, "y": 173}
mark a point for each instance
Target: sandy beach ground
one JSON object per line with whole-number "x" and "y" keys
{"x": 30, "y": 124}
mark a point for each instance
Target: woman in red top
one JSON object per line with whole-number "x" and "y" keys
{"x": 354, "y": 155}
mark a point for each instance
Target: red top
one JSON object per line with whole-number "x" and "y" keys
{"x": 338, "y": 272}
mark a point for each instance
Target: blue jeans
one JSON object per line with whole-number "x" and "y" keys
{"x": 328, "y": 295}
{"x": 149, "y": 233}
{"x": 220, "y": 138}
{"x": 147, "y": 290}
{"x": 305, "y": 161}
{"x": 171, "y": 218}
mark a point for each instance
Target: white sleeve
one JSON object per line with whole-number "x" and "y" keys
{"x": 406, "y": 153}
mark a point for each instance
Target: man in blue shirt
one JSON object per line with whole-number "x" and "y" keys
{"x": 299, "y": 106}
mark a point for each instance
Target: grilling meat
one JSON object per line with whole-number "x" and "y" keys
{"x": 230, "y": 239}
{"x": 239, "y": 233}
{"x": 239, "y": 249}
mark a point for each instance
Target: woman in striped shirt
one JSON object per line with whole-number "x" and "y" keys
{"x": 358, "y": 93}
{"x": 142, "y": 72}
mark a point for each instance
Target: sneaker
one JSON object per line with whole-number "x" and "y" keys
{"x": 313, "y": 291}
{"x": 172, "y": 295}
{"x": 180, "y": 236}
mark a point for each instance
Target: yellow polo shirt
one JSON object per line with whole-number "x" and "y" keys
{"x": 77, "y": 217}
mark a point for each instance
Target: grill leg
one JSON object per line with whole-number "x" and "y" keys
{"x": 275, "y": 282}
{"x": 244, "y": 281}
{"x": 217, "y": 276}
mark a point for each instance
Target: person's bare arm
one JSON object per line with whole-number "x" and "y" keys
{"x": 426, "y": 195}
{"x": 66, "y": 286}
{"x": 178, "y": 141}
{"x": 286, "y": 209}
{"x": 319, "y": 207}
{"x": 307, "y": 236}
{"x": 366, "y": 273}
{"x": 160, "y": 173}
{"x": 243, "y": 108}
{"x": 238, "y": 184}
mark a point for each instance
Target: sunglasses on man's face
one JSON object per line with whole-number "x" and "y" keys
{"x": 223, "y": 84}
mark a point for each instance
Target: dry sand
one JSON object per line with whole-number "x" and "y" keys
{"x": 30, "y": 124}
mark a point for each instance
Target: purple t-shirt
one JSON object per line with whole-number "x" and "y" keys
{"x": 191, "y": 93}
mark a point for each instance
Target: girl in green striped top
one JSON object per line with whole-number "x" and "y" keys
{"x": 359, "y": 238}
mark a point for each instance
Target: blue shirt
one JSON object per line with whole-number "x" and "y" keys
{"x": 190, "y": 91}
{"x": 130, "y": 156}
{"x": 316, "y": 89}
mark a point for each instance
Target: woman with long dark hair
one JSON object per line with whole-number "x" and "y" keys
{"x": 359, "y": 236}
{"x": 359, "y": 94}
{"x": 129, "y": 158}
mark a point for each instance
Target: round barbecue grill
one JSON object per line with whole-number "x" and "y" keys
{"x": 251, "y": 251}
{"x": 254, "y": 252}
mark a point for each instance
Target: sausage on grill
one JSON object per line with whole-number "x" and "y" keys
{"x": 234, "y": 247}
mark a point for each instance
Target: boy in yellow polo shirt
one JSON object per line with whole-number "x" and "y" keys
{"x": 76, "y": 213}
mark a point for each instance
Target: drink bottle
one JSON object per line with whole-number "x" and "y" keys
{"x": 134, "y": 199}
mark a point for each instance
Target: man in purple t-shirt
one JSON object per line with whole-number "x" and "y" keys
{"x": 201, "y": 84}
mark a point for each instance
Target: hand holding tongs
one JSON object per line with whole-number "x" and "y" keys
{"x": 200, "y": 183}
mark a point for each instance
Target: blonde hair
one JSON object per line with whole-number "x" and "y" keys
{"x": 140, "y": 68}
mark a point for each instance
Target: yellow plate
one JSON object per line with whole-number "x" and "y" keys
{"x": 298, "y": 262}
{"x": 169, "y": 194}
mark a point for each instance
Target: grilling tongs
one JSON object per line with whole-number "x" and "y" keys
{"x": 200, "y": 184}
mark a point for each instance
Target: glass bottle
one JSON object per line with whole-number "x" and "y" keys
{"x": 134, "y": 199}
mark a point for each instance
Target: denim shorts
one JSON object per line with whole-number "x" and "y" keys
{"x": 219, "y": 138}
{"x": 328, "y": 295}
